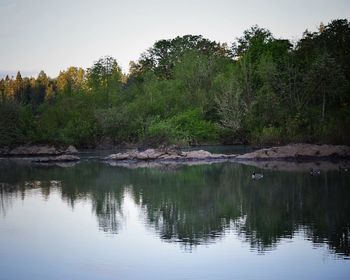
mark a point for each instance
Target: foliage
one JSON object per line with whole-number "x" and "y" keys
{"x": 185, "y": 128}
{"x": 191, "y": 90}
{"x": 69, "y": 121}
{"x": 197, "y": 129}
{"x": 10, "y": 124}
{"x": 165, "y": 54}
{"x": 163, "y": 132}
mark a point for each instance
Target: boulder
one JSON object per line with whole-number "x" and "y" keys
{"x": 60, "y": 158}
{"x": 298, "y": 151}
{"x": 148, "y": 154}
{"x": 71, "y": 150}
{"x": 166, "y": 155}
{"x": 172, "y": 156}
{"x": 118, "y": 156}
{"x": 38, "y": 150}
{"x": 34, "y": 151}
{"x": 200, "y": 154}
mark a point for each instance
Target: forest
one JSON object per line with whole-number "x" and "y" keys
{"x": 190, "y": 90}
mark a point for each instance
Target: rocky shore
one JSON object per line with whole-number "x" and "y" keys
{"x": 287, "y": 153}
{"x": 167, "y": 155}
{"x": 53, "y": 159}
{"x": 292, "y": 152}
{"x": 298, "y": 152}
{"x": 42, "y": 153}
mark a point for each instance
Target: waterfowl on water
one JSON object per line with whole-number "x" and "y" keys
{"x": 314, "y": 172}
{"x": 257, "y": 176}
{"x": 343, "y": 169}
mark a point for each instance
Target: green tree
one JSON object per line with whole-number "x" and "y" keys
{"x": 70, "y": 81}
{"x": 165, "y": 54}
{"x": 325, "y": 83}
{"x": 10, "y": 124}
{"x": 104, "y": 80}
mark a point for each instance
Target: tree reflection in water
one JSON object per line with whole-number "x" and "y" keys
{"x": 199, "y": 204}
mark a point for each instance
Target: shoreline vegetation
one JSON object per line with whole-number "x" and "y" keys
{"x": 189, "y": 90}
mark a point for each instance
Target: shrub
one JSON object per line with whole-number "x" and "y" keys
{"x": 163, "y": 132}
{"x": 192, "y": 124}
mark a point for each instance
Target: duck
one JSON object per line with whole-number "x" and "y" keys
{"x": 257, "y": 176}
{"x": 314, "y": 172}
{"x": 343, "y": 169}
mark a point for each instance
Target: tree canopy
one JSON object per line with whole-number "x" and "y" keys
{"x": 191, "y": 90}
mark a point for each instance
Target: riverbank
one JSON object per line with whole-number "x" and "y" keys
{"x": 288, "y": 152}
{"x": 292, "y": 152}
{"x": 42, "y": 153}
{"x": 298, "y": 152}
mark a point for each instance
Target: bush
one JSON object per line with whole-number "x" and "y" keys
{"x": 188, "y": 127}
{"x": 192, "y": 124}
{"x": 163, "y": 132}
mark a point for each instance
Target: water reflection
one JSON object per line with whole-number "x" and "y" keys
{"x": 198, "y": 204}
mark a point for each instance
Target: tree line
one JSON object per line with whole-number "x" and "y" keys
{"x": 191, "y": 90}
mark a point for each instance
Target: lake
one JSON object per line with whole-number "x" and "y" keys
{"x": 96, "y": 221}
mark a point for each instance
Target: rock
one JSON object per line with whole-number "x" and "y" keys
{"x": 172, "y": 156}
{"x": 201, "y": 154}
{"x": 66, "y": 158}
{"x": 118, "y": 156}
{"x": 71, "y": 150}
{"x": 298, "y": 151}
{"x": 162, "y": 165}
{"x": 288, "y": 152}
{"x": 149, "y": 154}
{"x": 37, "y": 150}
{"x": 34, "y": 151}
{"x": 61, "y": 158}
{"x": 166, "y": 155}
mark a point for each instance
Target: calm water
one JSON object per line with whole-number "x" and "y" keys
{"x": 95, "y": 221}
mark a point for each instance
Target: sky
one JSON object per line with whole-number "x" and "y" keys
{"x": 52, "y": 35}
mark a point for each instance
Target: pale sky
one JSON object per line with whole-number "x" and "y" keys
{"x": 52, "y": 35}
